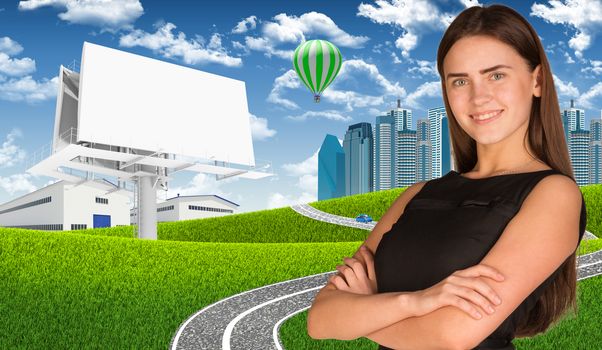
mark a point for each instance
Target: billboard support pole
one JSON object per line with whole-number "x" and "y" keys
{"x": 147, "y": 202}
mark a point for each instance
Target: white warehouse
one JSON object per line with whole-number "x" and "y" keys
{"x": 191, "y": 207}
{"x": 65, "y": 206}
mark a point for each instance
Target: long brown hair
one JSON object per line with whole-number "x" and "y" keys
{"x": 545, "y": 135}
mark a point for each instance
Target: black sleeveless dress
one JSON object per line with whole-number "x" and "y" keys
{"x": 451, "y": 224}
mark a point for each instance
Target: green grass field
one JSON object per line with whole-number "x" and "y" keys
{"x": 100, "y": 288}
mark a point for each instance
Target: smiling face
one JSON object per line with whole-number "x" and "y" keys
{"x": 487, "y": 78}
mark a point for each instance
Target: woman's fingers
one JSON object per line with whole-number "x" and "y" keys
{"x": 369, "y": 259}
{"x": 359, "y": 271}
{"x": 481, "y": 270}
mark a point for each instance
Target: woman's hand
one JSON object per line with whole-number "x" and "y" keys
{"x": 461, "y": 289}
{"x": 354, "y": 277}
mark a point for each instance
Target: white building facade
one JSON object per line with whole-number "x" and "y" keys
{"x": 64, "y": 206}
{"x": 191, "y": 207}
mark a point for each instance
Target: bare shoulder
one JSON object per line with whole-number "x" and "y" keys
{"x": 392, "y": 215}
{"x": 560, "y": 190}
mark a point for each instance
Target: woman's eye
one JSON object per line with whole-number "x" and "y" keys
{"x": 456, "y": 82}
{"x": 498, "y": 74}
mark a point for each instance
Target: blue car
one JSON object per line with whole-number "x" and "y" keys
{"x": 363, "y": 218}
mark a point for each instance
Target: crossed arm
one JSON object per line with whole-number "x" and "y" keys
{"x": 534, "y": 244}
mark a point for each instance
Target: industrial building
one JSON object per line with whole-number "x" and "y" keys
{"x": 65, "y": 206}
{"x": 191, "y": 207}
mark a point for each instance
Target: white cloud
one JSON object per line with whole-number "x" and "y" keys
{"x": 568, "y": 57}
{"x": 308, "y": 183}
{"x": 289, "y": 30}
{"x": 190, "y": 51}
{"x": 278, "y": 200}
{"x": 259, "y": 128}
{"x": 428, "y": 89}
{"x": 267, "y": 47}
{"x": 9, "y": 46}
{"x": 594, "y": 92}
{"x": 585, "y": 16}
{"x": 367, "y": 72}
{"x": 307, "y": 166}
{"x": 307, "y": 173}
{"x": 411, "y": 16}
{"x": 245, "y": 25}
{"x": 425, "y": 68}
{"x": 332, "y": 115}
{"x": 288, "y": 80}
{"x": 11, "y": 154}
{"x": 17, "y": 183}
{"x": 595, "y": 67}
{"x": 27, "y": 89}
{"x": 396, "y": 59}
{"x": 16, "y": 66}
{"x": 565, "y": 89}
{"x": 110, "y": 15}
{"x": 470, "y": 3}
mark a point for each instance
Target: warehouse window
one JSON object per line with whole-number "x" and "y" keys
{"x": 47, "y": 227}
{"x": 219, "y": 210}
{"x": 102, "y": 200}
{"x": 26, "y": 205}
{"x": 78, "y": 226}
{"x": 169, "y": 207}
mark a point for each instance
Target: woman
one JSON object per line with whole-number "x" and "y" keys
{"x": 490, "y": 249}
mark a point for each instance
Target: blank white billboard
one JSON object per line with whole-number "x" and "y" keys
{"x": 134, "y": 101}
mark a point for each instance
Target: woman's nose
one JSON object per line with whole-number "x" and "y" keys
{"x": 480, "y": 93}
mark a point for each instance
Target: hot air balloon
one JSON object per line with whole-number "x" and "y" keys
{"x": 317, "y": 62}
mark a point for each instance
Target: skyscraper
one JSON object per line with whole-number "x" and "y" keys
{"x": 595, "y": 151}
{"x": 331, "y": 169}
{"x": 384, "y": 153}
{"x": 423, "y": 151}
{"x": 436, "y": 132}
{"x": 402, "y": 116}
{"x": 446, "y": 146}
{"x": 358, "y": 144}
{"x": 573, "y": 118}
{"x": 405, "y": 158}
{"x": 579, "y": 150}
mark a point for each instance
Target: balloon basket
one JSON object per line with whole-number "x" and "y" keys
{"x": 317, "y": 98}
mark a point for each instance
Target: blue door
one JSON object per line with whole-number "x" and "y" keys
{"x": 102, "y": 220}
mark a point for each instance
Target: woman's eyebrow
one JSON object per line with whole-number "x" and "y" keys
{"x": 483, "y": 71}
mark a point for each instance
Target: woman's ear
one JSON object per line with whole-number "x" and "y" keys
{"x": 537, "y": 81}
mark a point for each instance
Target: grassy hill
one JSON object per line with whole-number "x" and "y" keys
{"x": 101, "y": 288}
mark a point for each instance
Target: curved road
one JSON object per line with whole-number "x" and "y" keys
{"x": 251, "y": 320}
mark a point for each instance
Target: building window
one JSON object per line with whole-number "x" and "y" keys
{"x": 169, "y": 207}
{"x": 26, "y": 205}
{"x": 220, "y": 210}
{"x": 46, "y": 227}
{"x": 78, "y": 226}
{"x": 102, "y": 200}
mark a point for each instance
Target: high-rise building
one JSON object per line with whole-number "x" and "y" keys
{"x": 572, "y": 119}
{"x": 402, "y": 116}
{"x": 405, "y": 158}
{"x": 595, "y": 151}
{"x": 358, "y": 144}
{"x": 436, "y": 131}
{"x": 423, "y": 151}
{"x": 331, "y": 169}
{"x": 384, "y": 153}
{"x": 579, "y": 149}
{"x": 447, "y": 162}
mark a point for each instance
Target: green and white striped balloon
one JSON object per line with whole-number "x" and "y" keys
{"x": 317, "y": 62}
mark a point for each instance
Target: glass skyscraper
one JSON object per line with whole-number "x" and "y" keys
{"x": 331, "y": 169}
{"x": 358, "y": 146}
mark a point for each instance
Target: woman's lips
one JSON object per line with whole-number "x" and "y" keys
{"x": 486, "y": 121}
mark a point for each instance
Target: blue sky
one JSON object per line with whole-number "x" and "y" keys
{"x": 388, "y": 48}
